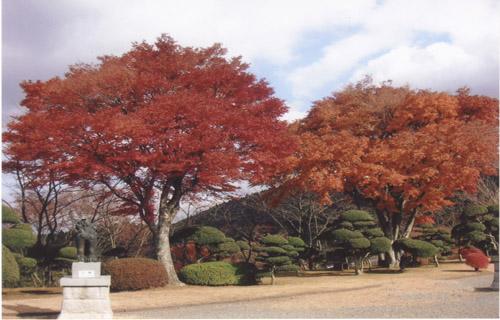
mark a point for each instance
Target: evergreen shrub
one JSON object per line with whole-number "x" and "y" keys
{"x": 10, "y": 269}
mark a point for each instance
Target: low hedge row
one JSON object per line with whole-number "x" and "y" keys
{"x": 218, "y": 273}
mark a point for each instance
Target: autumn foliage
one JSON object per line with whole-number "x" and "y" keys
{"x": 475, "y": 258}
{"x": 407, "y": 151}
{"x": 158, "y": 124}
{"x": 135, "y": 274}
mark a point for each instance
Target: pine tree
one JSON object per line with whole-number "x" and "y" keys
{"x": 357, "y": 234}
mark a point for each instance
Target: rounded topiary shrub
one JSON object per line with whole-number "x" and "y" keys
{"x": 356, "y": 216}
{"x": 473, "y": 210}
{"x": 493, "y": 209}
{"x": 10, "y": 269}
{"x": 26, "y": 265}
{"x": 18, "y": 238}
{"x": 67, "y": 254}
{"x": 228, "y": 248}
{"x": 218, "y": 273}
{"x": 207, "y": 236}
{"x": 296, "y": 242}
{"x": 477, "y": 260}
{"x": 135, "y": 274}
{"x": 417, "y": 248}
{"x": 9, "y": 215}
{"x": 243, "y": 245}
{"x": 274, "y": 240}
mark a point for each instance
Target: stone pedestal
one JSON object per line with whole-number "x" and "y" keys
{"x": 86, "y": 293}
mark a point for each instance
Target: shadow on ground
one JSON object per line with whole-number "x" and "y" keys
{"x": 45, "y": 292}
{"x": 26, "y": 311}
{"x": 326, "y": 273}
{"x": 485, "y": 289}
{"x": 385, "y": 271}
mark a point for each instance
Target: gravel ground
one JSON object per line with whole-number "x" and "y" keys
{"x": 449, "y": 291}
{"x": 454, "y": 299}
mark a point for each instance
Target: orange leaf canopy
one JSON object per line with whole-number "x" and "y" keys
{"x": 157, "y": 114}
{"x": 402, "y": 148}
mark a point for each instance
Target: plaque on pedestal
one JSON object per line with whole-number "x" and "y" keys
{"x": 86, "y": 293}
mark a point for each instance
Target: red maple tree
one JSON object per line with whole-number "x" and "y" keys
{"x": 405, "y": 151}
{"x": 156, "y": 125}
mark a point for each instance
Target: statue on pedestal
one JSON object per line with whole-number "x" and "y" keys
{"x": 86, "y": 240}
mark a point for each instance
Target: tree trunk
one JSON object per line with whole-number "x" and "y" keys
{"x": 382, "y": 260}
{"x": 310, "y": 263}
{"x": 162, "y": 244}
{"x": 273, "y": 277}
{"x": 494, "y": 284}
{"x": 436, "y": 261}
{"x": 358, "y": 266}
{"x": 393, "y": 262}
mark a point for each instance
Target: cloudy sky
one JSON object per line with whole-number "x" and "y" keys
{"x": 305, "y": 49}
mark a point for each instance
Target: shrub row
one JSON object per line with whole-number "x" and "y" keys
{"x": 218, "y": 273}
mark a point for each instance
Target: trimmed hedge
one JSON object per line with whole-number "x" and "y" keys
{"x": 228, "y": 248}
{"x": 274, "y": 240}
{"x": 356, "y": 215}
{"x": 208, "y": 236}
{"x": 274, "y": 250}
{"x": 473, "y": 210}
{"x": 135, "y": 274}
{"x": 218, "y": 273}
{"x": 18, "y": 238}
{"x": 9, "y": 215}
{"x": 345, "y": 235}
{"x": 26, "y": 265}
{"x": 359, "y": 243}
{"x": 475, "y": 226}
{"x": 24, "y": 226}
{"x": 475, "y": 236}
{"x": 417, "y": 248}
{"x": 380, "y": 245}
{"x": 375, "y": 232}
{"x": 296, "y": 242}
{"x": 493, "y": 209}
{"x": 243, "y": 245}
{"x": 67, "y": 254}
{"x": 278, "y": 260}
{"x": 10, "y": 269}
{"x": 477, "y": 260}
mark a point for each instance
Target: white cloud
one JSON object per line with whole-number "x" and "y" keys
{"x": 42, "y": 38}
{"x": 385, "y": 47}
{"x": 384, "y": 43}
{"x": 440, "y": 66}
{"x": 266, "y": 30}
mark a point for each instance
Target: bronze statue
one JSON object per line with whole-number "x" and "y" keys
{"x": 86, "y": 240}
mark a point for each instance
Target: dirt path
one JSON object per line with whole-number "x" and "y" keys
{"x": 448, "y": 291}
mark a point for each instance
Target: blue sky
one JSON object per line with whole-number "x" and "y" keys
{"x": 305, "y": 49}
